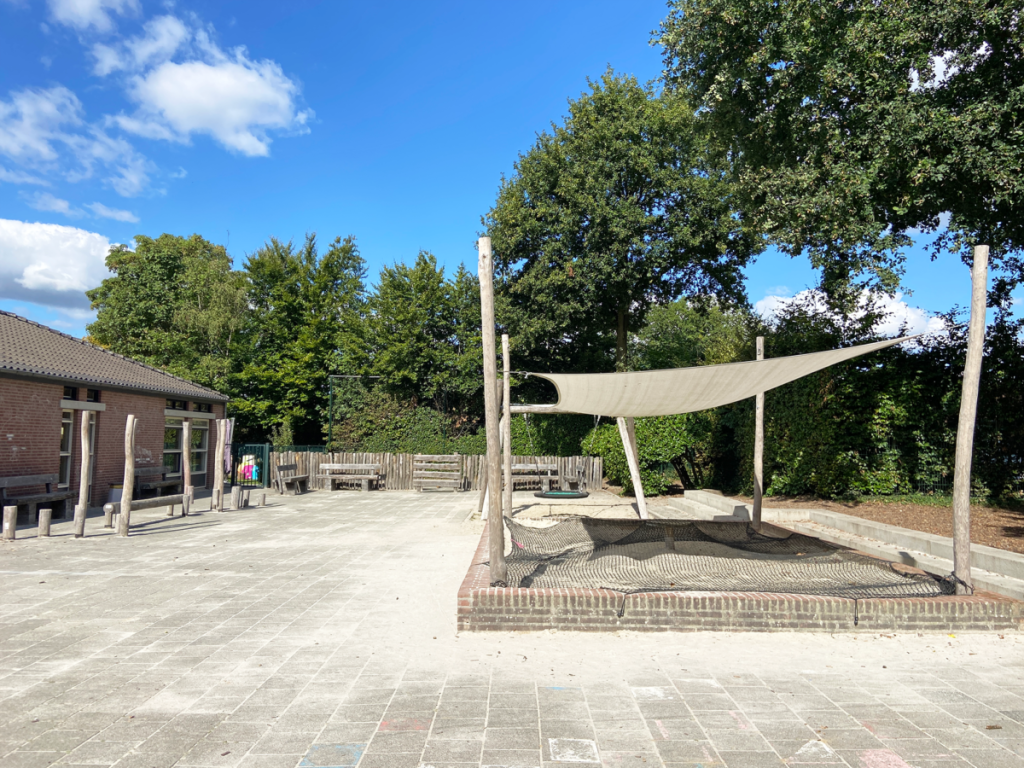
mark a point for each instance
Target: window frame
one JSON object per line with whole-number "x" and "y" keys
{"x": 67, "y": 422}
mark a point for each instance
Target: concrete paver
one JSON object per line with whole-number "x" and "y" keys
{"x": 320, "y": 632}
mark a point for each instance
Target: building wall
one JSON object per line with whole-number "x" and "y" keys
{"x": 30, "y": 427}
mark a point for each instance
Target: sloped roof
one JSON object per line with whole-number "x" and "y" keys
{"x": 685, "y": 390}
{"x": 32, "y": 349}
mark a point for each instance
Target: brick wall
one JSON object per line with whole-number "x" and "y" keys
{"x": 483, "y": 608}
{"x": 30, "y": 427}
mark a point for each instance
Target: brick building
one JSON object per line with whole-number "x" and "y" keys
{"x": 50, "y": 381}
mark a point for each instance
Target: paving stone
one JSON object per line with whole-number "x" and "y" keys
{"x": 453, "y": 751}
{"x": 512, "y": 718}
{"x": 511, "y": 738}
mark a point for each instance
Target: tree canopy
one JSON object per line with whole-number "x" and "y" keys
{"x": 174, "y": 303}
{"x": 851, "y": 124}
{"x": 611, "y": 212}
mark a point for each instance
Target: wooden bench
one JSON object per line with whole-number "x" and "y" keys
{"x": 32, "y": 500}
{"x": 535, "y": 473}
{"x": 153, "y": 478}
{"x": 436, "y": 472}
{"x": 286, "y": 476}
{"x": 364, "y": 474}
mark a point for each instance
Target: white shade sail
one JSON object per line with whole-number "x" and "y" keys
{"x": 684, "y": 390}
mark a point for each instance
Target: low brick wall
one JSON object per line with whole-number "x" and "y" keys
{"x": 483, "y": 608}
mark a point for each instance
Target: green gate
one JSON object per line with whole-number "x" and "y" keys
{"x": 250, "y": 465}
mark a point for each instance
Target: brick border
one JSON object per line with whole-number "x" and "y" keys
{"x": 483, "y": 608}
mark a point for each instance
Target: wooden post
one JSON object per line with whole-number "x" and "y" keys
{"x": 263, "y": 499}
{"x": 186, "y": 456}
{"x": 124, "y": 522}
{"x": 82, "y": 510}
{"x": 45, "y": 516}
{"x": 758, "y": 446}
{"x": 218, "y": 467}
{"x": 236, "y": 497}
{"x": 108, "y": 515}
{"x": 186, "y": 502}
{"x": 10, "y": 523}
{"x": 965, "y": 426}
{"x": 506, "y": 432}
{"x": 495, "y": 521}
{"x": 627, "y": 431}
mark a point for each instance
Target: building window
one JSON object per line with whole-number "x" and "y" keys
{"x": 177, "y": 405}
{"x": 67, "y": 428}
{"x": 202, "y": 407}
{"x": 92, "y": 395}
{"x": 172, "y": 447}
{"x": 200, "y": 441}
{"x": 70, "y": 393}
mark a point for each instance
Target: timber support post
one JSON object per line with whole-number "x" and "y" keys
{"x": 495, "y": 520}
{"x": 627, "y": 431}
{"x": 186, "y": 456}
{"x": 758, "y": 447}
{"x": 10, "y": 523}
{"x": 82, "y": 510}
{"x": 236, "y": 497}
{"x": 124, "y": 521}
{"x": 965, "y": 425}
{"x": 45, "y": 517}
{"x": 506, "y": 432}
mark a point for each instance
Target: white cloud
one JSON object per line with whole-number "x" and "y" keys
{"x": 85, "y": 14}
{"x": 44, "y": 129}
{"x": 896, "y": 312}
{"x": 34, "y": 119}
{"x": 112, "y": 213}
{"x": 162, "y": 37}
{"x": 17, "y": 177}
{"x": 234, "y": 99}
{"x": 44, "y": 201}
{"x": 50, "y": 264}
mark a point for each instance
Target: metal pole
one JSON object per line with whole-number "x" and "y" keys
{"x": 965, "y": 427}
{"x": 330, "y": 413}
{"x": 495, "y": 521}
{"x": 758, "y": 446}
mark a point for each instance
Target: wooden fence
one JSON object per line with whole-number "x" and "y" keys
{"x": 396, "y": 468}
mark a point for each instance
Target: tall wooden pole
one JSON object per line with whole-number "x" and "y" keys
{"x": 83, "y": 483}
{"x": 506, "y": 418}
{"x": 128, "y": 485}
{"x": 965, "y": 427}
{"x": 186, "y": 457}
{"x": 758, "y": 446}
{"x": 495, "y": 521}
{"x": 218, "y": 467}
{"x": 627, "y": 431}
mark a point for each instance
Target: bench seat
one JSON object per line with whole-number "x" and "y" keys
{"x": 32, "y": 500}
{"x": 364, "y": 474}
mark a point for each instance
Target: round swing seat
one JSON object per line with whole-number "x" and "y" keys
{"x": 561, "y": 494}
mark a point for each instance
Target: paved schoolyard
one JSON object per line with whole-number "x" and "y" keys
{"x": 321, "y": 632}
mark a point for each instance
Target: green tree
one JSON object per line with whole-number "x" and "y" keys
{"x": 304, "y": 306}
{"x": 613, "y": 211}
{"x": 174, "y": 303}
{"x": 850, "y": 124}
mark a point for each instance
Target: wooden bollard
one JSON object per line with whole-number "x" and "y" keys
{"x": 186, "y": 502}
{"x": 45, "y": 515}
{"x": 10, "y": 523}
{"x": 236, "y": 497}
{"x": 80, "y": 515}
{"x": 245, "y": 499}
{"x": 215, "y": 500}
{"x": 108, "y": 515}
{"x": 263, "y": 499}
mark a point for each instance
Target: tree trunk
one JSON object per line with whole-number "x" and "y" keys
{"x": 620, "y": 341}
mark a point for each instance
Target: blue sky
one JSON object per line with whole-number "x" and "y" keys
{"x": 392, "y": 122}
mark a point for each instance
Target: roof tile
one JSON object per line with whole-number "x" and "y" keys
{"x": 29, "y": 348}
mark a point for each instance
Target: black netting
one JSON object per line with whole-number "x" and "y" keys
{"x": 659, "y": 555}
